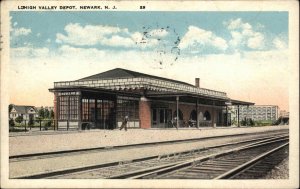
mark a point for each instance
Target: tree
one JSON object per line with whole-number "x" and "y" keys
{"x": 42, "y": 112}
{"x": 46, "y": 113}
{"x": 52, "y": 114}
{"x": 19, "y": 119}
{"x": 10, "y": 107}
{"x": 11, "y": 122}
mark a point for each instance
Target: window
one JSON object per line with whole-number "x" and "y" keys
{"x": 193, "y": 115}
{"x": 154, "y": 121}
{"x": 127, "y": 106}
{"x": 63, "y": 107}
{"x": 180, "y": 114}
{"x": 68, "y": 107}
{"x": 99, "y": 110}
{"x": 207, "y": 116}
{"x": 92, "y": 109}
{"x": 73, "y": 107}
{"x": 85, "y": 110}
{"x": 161, "y": 116}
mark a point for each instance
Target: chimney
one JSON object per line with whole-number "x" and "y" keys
{"x": 197, "y": 82}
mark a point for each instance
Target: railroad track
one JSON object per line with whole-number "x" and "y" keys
{"x": 260, "y": 168}
{"x": 142, "y": 168}
{"x": 247, "y": 162}
{"x": 28, "y": 157}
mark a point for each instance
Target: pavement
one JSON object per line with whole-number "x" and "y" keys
{"x": 52, "y": 141}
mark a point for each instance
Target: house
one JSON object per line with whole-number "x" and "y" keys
{"x": 27, "y": 112}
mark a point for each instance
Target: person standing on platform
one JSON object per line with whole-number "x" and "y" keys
{"x": 175, "y": 123}
{"x": 124, "y": 123}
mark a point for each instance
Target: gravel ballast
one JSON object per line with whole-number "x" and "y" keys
{"x": 280, "y": 171}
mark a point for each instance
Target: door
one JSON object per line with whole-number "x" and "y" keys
{"x": 161, "y": 117}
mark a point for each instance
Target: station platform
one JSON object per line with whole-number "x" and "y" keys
{"x": 53, "y": 141}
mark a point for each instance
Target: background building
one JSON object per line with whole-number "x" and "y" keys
{"x": 284, "y": 113}
{"x": 257, "y": 112}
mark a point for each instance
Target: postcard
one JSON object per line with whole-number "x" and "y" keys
{"x": 149, "y": 94}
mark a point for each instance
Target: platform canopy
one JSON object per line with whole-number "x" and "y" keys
{"x": 192, "y": 98}
{"x": 241, "y": 103}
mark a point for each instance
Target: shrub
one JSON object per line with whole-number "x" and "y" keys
{"x": 251, "y": 122}
{"x": 11, "y": 122}
{"x": 244, "y": 122}
{"x": 31, "y": 122}
{"x": 47, "y": 124}
{"x": 19, "y": 119}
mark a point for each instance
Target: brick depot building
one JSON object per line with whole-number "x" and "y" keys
{"x": 102, "y": 101}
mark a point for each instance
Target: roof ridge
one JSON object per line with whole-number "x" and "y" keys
{"x": 23, "y": 106}
{"x": 134, "y": 74}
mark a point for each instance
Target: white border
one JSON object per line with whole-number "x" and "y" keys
{"x": 290, "y": 6}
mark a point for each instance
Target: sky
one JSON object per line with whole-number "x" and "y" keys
{"x": 244, "y": 54}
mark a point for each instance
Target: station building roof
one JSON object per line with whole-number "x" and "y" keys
{"x": 154, "y": 87}
{"x": 124, "y": 73}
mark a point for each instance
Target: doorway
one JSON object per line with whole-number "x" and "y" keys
{"x": 161, "y": 117}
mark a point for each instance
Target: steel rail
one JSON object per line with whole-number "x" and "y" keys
{"x": 27, "y": 157}
{"x": 158, "y": 157}
{"x": 166, "y": 164}
{"x": 246, "y": 165}
{"x": 192, "y": 162}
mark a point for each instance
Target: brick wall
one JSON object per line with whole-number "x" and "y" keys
{"x": 145, "y": 113}
{"x": 187, "y": 109}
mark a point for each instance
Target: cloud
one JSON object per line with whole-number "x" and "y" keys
{"x": 158, "y": 33}
{"x": 197, "y": 37}
{"x": 279, "y": 43}
{"x": 144, "y": 41}
{"x": 86, "y": 35}
{"x": 21, "y": 31}
{"x": 84, "y": 53}
{"x": 28, "y": 51}
{"x": 256, "y": 41}
{"x": 16, "y": 32}
{"x": 91, "y": 35}
{"x": 237, "y": 38}
{"x": 116, "y": 40}
{"x": 234, "y": 24}
{"x": 243, "y": 35}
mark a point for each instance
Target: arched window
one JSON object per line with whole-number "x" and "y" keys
{"x": 179, "y": 114}
{"x": 207, "y": 116}
{"x": 201, "y": 117}
{"x": 193, "y": 115}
